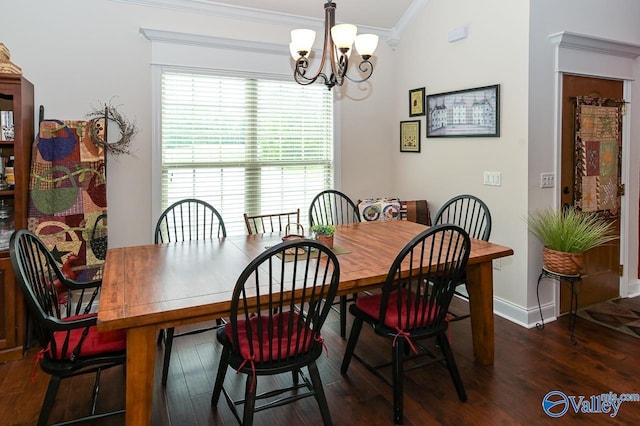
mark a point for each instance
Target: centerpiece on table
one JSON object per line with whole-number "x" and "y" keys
{"x": 566, "y": 234}
{"x": 324, "y": 234}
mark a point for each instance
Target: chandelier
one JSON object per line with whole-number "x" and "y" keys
{"x": 338, "y": 40}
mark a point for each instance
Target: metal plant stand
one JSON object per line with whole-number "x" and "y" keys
{"x": 575, "y": 282}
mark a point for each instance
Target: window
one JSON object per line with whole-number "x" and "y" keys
{"x": 244, "y": 144}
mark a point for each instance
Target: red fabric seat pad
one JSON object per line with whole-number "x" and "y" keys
{"x": 276, "y": 342}
{"x": 94, "y": 343}
{"x": 418, "y": 316}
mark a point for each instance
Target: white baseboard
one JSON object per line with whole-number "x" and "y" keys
{"x": 530, "y": 317}
{"x": 634, "y": 289}
{"x": 527, "y": 318}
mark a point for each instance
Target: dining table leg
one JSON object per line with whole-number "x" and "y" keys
{"x": 480, "y": 288}
{"x": 141, "y": 352}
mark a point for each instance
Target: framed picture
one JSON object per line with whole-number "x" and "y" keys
{"x": 464, "y": 113}
{"x": 416, "y": 102}
{"x": 410, "y": 136}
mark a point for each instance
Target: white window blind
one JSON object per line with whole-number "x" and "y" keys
{"x": 245, "y": 145}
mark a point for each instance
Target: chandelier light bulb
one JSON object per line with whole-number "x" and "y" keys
{"x": 366, "y": 44}
{"x": 343, "y": 36}
{"x": 302, "y": 41}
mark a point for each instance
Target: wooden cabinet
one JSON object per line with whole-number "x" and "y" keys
{"x": 16, "y": 95}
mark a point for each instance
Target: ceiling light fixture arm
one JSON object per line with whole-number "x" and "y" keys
{"x": 366, "y": 68}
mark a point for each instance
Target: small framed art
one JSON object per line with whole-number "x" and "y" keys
{"x": 416, "y": 102}
{"x": 410, "y": 136}
{"x": 464, "y": 113}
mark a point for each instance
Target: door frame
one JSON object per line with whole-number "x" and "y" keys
{"x": 590, "y": 56}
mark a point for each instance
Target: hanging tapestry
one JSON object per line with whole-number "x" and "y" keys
{"x": 598, "y": 155}
{"x": 68, "y": 195}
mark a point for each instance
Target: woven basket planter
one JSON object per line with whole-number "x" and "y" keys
{"x": 561, "y": 262}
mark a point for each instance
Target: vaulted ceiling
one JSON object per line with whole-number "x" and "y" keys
{"x": 375, "y": 13}
{"x": 387, "y": 18}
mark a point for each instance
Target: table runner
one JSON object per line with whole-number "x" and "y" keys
{"x": 302, "y": 256}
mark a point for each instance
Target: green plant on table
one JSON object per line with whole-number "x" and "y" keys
{"x": 570, "y": 230}
{"x": 322, "y": 229}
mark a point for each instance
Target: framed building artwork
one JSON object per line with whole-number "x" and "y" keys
{"x": 464, "y": 113}
{"x": 416, "y": 102}
{"x": 410, "y": 136}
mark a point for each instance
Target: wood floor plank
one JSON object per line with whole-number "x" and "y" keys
{"x": 528, "y": 365}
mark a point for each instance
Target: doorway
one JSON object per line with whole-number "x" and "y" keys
{"x": 601, "y": 274}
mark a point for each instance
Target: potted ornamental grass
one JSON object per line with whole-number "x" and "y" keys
{"x": 566, "y": 234}
{"x": 324, "y": 233}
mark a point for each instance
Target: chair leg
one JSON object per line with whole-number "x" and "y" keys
{"x": 319, "y": 393}
{"x": 49, "y": 399}
{"x": 343, "y": 316}
{"x": 96, "y": 390}
{"x": 222, "y": 371}
{"x": 356, "y": 327}
{"x": 249, "y": 400}
{"x": 160, "y": 336}
{"x": 455, "y": 317}
{"x": 168, "y": 345}
{"x": 451, "y": 365}
{"x": 397, "y": 359}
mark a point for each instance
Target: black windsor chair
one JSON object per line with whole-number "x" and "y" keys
{"x": 471, "y": 214}
{"x": 277, "y": 311}
{"x": 332, "y": 207}
{"x": 186, "y": 220}
{"x": 413, "y": 306}
{"x": 70, "y": 342}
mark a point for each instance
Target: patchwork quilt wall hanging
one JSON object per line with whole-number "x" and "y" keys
{"x": 598, "y": 155}
{"x": 68, "y": 195}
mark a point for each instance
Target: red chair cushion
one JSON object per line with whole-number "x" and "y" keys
{"x": 94, "y": 343}
{"x": 280, "y": 348}
{"x": 370, "y": 305}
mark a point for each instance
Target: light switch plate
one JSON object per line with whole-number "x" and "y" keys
{"x": 492, "y": 178}
{"x": 547, "y": 180}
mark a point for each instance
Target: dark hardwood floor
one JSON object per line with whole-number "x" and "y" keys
{"x": 528, "y": 365}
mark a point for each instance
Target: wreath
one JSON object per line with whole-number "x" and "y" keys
{"x": 127, "y": 130}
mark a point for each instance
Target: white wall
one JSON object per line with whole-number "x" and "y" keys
{"x": 507, "y": 44}
{"x": 80, "y": 54}
{"x": 495, "y": 52}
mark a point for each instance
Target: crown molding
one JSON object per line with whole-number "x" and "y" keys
{"x": 242, "y": 13}
{"x": 589, "y": 43}
{"x": 225, "y": 10}
{"x": 188, "y": 39}
{"x": 390, "y": 35}
{"x": 405, "y": 20}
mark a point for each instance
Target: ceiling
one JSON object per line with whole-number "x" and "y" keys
{"x": 374, "y": 13}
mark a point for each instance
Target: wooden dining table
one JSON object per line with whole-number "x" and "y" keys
{"x": 150, "y": 287}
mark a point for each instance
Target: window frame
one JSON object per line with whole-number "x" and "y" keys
{"x": 156, "y": 128}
